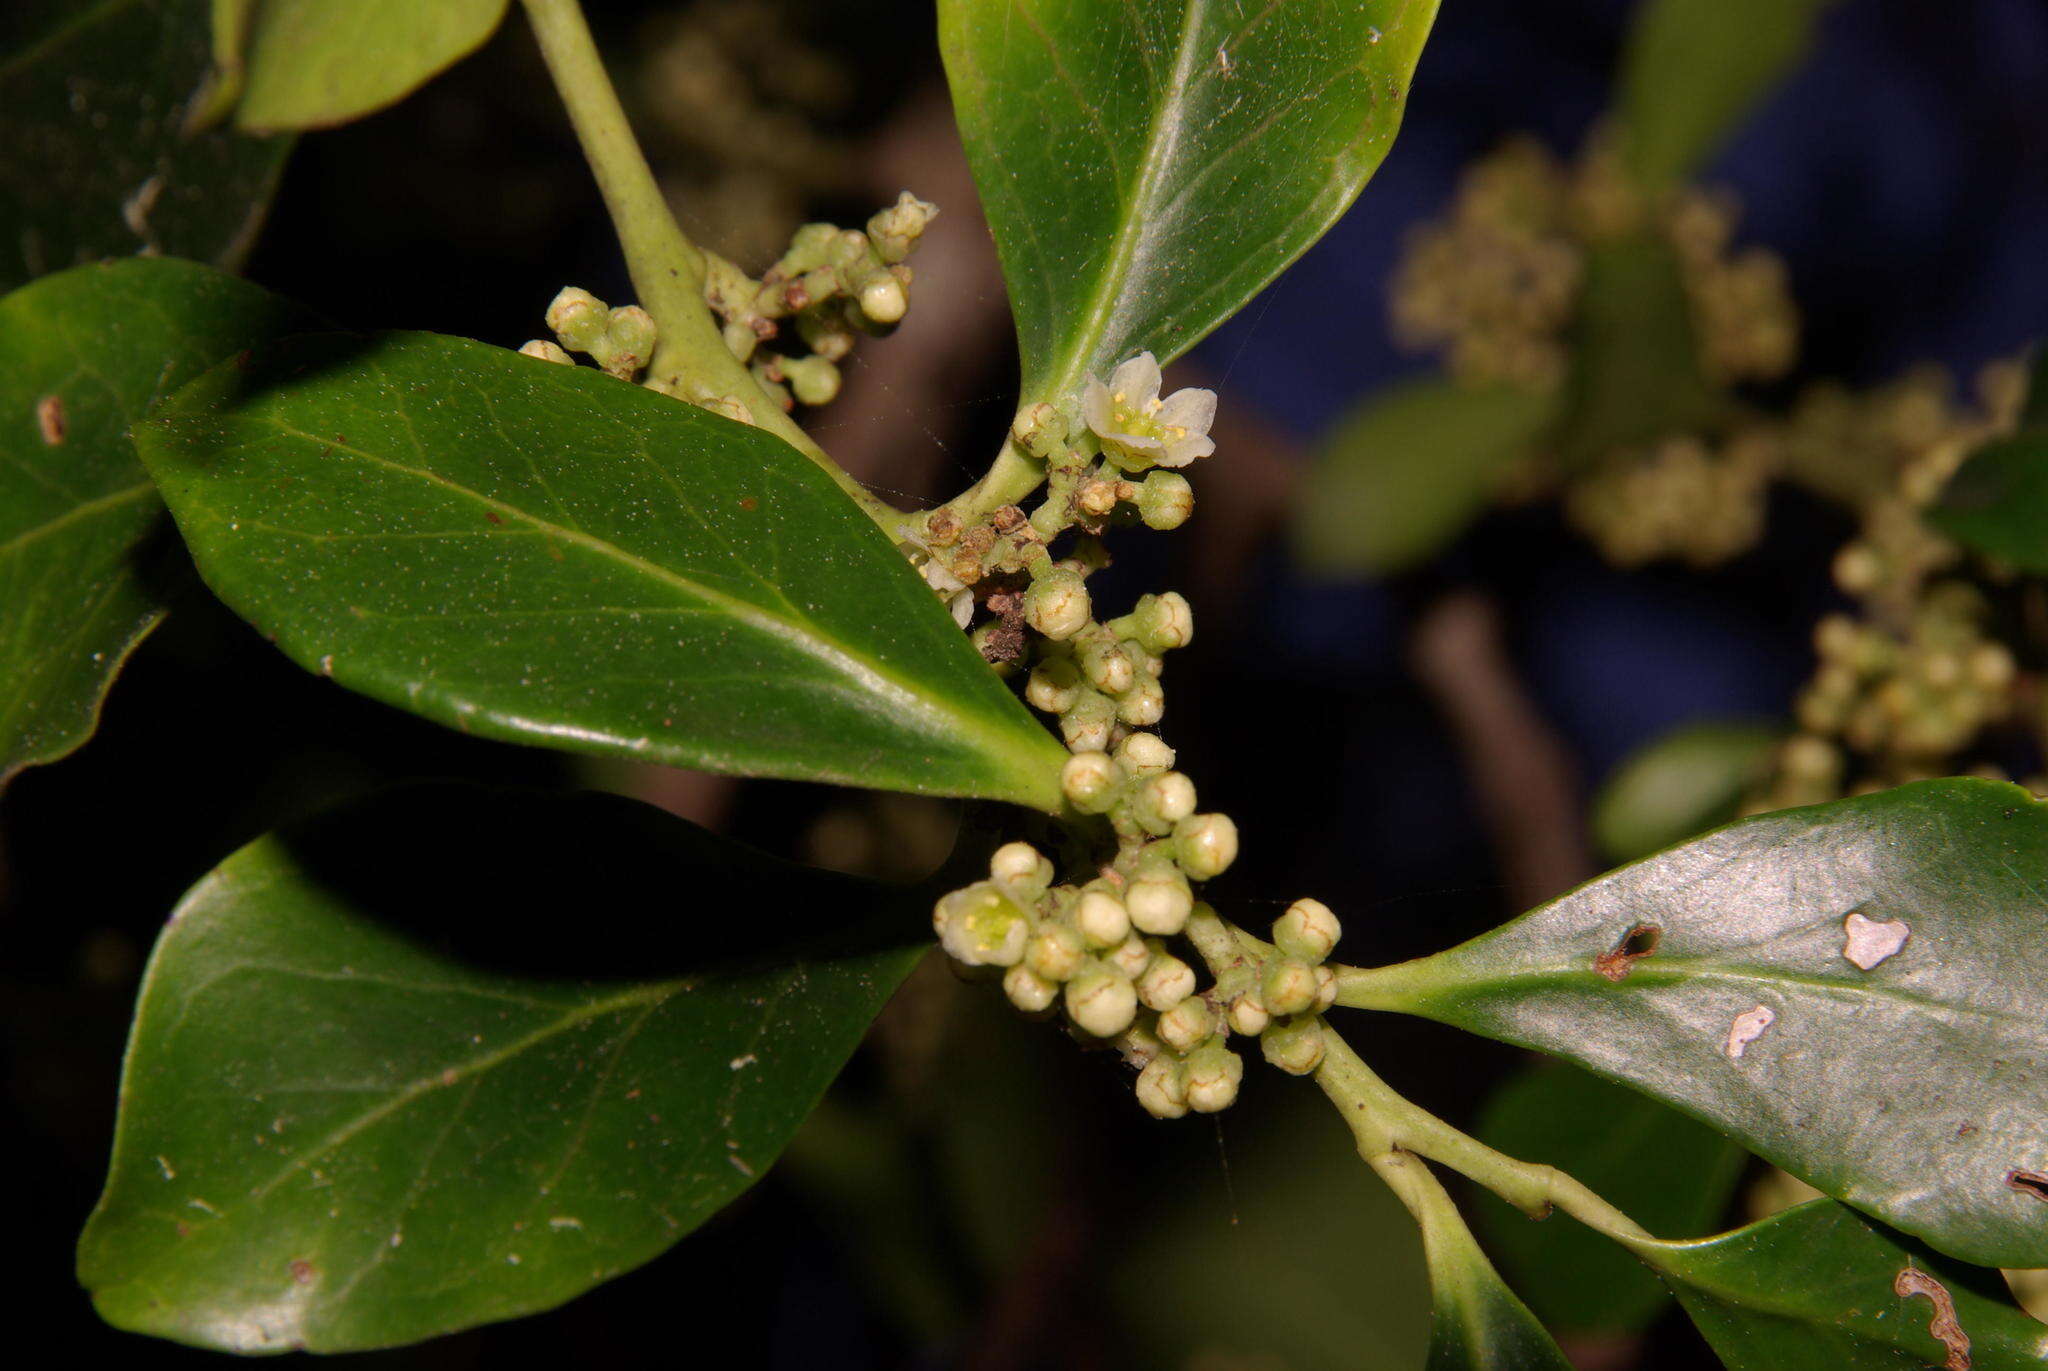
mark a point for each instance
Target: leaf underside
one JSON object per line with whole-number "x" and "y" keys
{"x": 315, "y": 63}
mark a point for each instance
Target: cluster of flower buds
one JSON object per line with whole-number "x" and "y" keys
{"x": 1742, "y": 312}
{"x": 619, "y": 340}
{"x": 1681, "y": 500}
{"x": 831, "y": 285}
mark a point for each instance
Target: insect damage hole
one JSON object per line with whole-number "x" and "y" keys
{"x": 1868, "y": 942}
{"x": 2028, "y": 1183}
{"x": 1943, "y": 1326}
{"x": 1636, "y": 944}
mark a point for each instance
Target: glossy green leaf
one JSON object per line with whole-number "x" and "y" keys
{"x": 98, "y": 162}
{"x": 1913, "y": 1089}
{"x": 544, "y": 554}
{"x": 449, "y": 1057}
{"x": 1681, "y": 784}
{"x": 1147, "y": 168}
{"x": 311, "y": 63}
{"x": 1997, "y": 502}
{"x": 1670, "y": 1173}
{"x": 1405, "y": 471}
{"x": 1694, "y": 69}
{"x": 1476, "y": 1323}
{"x": 1819, "y": 1286}
{"x": 82, "y": 356}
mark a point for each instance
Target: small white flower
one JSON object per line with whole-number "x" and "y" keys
{"x": 959, "y": 599}
{"x": 1140, "y": 430}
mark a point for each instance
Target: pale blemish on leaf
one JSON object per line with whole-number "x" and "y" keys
{"x": 50, "y": 419}
{"x": 1944, "y": 1326}
{"x": 1749, "y": 1025}
{"x": 1869, "y": 942}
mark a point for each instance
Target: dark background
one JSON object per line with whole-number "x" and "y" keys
{"x": 1903, "y": 172}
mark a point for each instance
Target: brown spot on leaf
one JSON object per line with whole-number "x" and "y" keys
{"x": 1636, "y": 944}
{"x": 1944, "y": 1326}
{"x": 493, "y": 516}
{"x": 2029, "y": 1182}
{"x": 303, "y": 1271}
{"x": 749, "y": 503}
{"x": 50, "y": 419}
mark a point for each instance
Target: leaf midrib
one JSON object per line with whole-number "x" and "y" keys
{"x": 82, "y": 510}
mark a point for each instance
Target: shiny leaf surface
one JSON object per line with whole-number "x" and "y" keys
{"x": 370, "y": 1101}
{"x": 312, "y": 63}
{"x": 544, "y": 554}
{"x": 1147, "y": 168}
{"x": 82, "y": 356}
{"x": 98, "y": 163}
{"x": 1476, "y": 1322}
{"x": 1718, "y": 976}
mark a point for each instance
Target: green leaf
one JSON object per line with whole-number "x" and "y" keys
{"x": 1405, "y": 471}
{"x": 1666, "y": 1171}
{"x": 448, "y": 1057}
{"x": 1148, "y": 168}
{"x": 1694, "y": 69}
{"x": 1679, "y": 785}
{"x": 1911, "y": 1089}
{"x": 82, "y": 356}
{"x": 544, "y": 554}
{"x": 1997, "y": 502}
{"x": 313, "y": 63}
{"x": 1477, "y": 1323}
{"x": 98, "y": 161}
{"x": 1819, "y": 1286}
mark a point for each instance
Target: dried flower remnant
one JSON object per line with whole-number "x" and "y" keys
{"x": 1869, "y": 942}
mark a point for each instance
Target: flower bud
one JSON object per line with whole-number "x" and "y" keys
{"x": 1307, "y": 930}
{"x": 981, "y": 926}
{"x": 1165, "y": 982}
{"x": 1165, "y": 500}
{"x": 1131, "y": 956}
{"x": 1101, "y": 1002}
{"x": 882, "y": 299}
{"x": 1138, "y": 1045}
{"x": 1028, "y": 990}
{"x": 1159, "y": 905}
{"x": 1187, "y": 1025}
{"x": 1053, "y": 686}
{"x": 1143, "y": 752}
{"x": 1020, "y": 864}
{"x": 1143, "y": 705}
{"x": 1055, "y": 952}
{"x": 1162, "y": 1088}
{"x": 1101, "y": 919}
{"x": 1163, "y": 800}
{"x": 1057, "y": 604}
{"x": 1107, "y": 666}
{"x": 1039, "y": 429}
{"x": 1294, "y": 1045}
{"x": 1248, "y": 1016}
{"x": 1288, "y": 987}
{"x": 628, "y": 341}
{"x": 1326, "y": 988}
{"x": 813, "y": 380}
{"x": 1212, "y": 1073}
{"x": 1088, "y": 726}
{"x": 1164, "y": 622}
{"x": 1206, "y": 844}
{"x": 1090, "y": 781}
{"x": 895, "y": 229}
{"x": 547, "y": 352}
{"x": 577, "y": 318}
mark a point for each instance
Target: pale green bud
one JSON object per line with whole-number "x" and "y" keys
{"x": 1307, "y": 930}
{"x": 1162, "y": 1088}
{"x": 981, "y": 926}
{"x": 1056, "y": 952}
{"x": 1131, "y": 956}
{"x": 1326, "y": 988}
{"x": 1107, "y": 666}
{"x": 896, "y": 229}
{"x": 1206, "y": 844}
{"x": 730, "y": 406}
{"x": 1295, "y": 1045}
{"x": 1101, "y": 1002}
{"x": 1039, "y": 429}
{"x": 1143, "y": 752}
{"x": 1159, "y": 905}
{"x": 1165, "y": 500}
{"x": 547, "y": 352}
{"x": 883, "y": 300}
{"x": 1053, "y": 686}
{"x": 1162, "y": 800}
{"x": 813, "y": 380}
{"x": 1028, "y": 990}
{"x": 1101, "y": 918}
{"x": 1213, "y": 1073}
{"x": 577, "y": 318}
{"x": 1248, "y": 1016}
{"x": 1057, "y": 604}
{"x": 1164, "y": 622}
{"x": 1020, "y": 865}
{"x": 1090, "y": 781}
{"x": 1288, "y": 987}
{"x": 1090, "y": 723}
{"x": 1165, "y": 982}
{"x": 628, "y": 341}
{"x": 1187, "y": 1024}
{"x": 1143, "y": 705}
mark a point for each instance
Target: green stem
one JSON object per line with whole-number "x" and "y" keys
{"x": 667, "y": 269}
{"x": 1013, "y": 475}
{"x": 1383, "y": 1121}
{"x": 1395, "y": 989}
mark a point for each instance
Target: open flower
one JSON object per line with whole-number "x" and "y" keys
{"x": 1140, "y": 430}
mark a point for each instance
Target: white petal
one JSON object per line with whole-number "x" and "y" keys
{"x": 963, "y": 607}
{"x": 940, "y": 578}
{"x": 1136, "y": 380}
{"x": 1179, "y": 454}
{"x": 1096, "y": 408}
{"x": 1135, "y": 444}
{"x": 1191, "y": 409}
